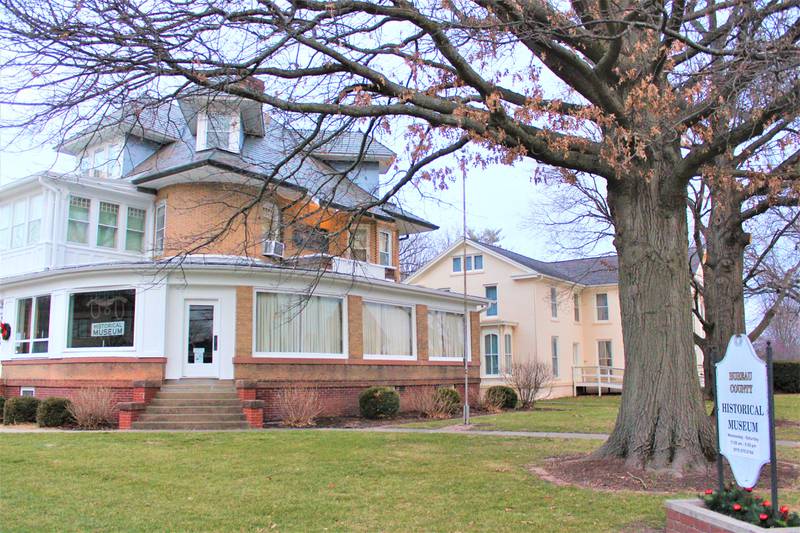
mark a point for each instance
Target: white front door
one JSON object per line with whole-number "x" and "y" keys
{"x": 201, "y": 339}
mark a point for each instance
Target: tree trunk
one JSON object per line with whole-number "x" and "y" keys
{"x": 662, "y": 422}
{"x": 723, "y": 269}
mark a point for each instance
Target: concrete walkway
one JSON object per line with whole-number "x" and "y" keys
{"x": 449, "y": 430}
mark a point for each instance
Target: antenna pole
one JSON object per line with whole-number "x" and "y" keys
{"x": 467, "y": 343}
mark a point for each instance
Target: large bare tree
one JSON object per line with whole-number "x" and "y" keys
{"x": 644, "y": 95}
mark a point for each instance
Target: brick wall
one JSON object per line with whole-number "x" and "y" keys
{"x": 120, "y": 394}
{"x": 355, "y": 327}
{"x": 244, "y": 321}
{"x": 680, "y": 523}
{"x": 422, "y": 332}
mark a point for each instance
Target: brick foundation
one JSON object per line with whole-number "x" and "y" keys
{"x": 128, "y": 413}
{"x": 254, "y": 413}
{"x": 144, "y": 391}
{"x": 691, "y": 516}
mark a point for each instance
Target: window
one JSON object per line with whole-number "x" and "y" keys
{"x": 308, "y": 239}
{"x": 27, "y": 391}
{"x": 101, "y": 319}
{"x": 78, "y": 220}
{"x": 445, "y": 334}
{"x": 107, "y": 224}
{"x": 602, "y": 306}
{"x": 491, "y": 295}
{"x": 576, "y": 354}
{"x": 34, "y": 219}
{"x": 360, "y": 245}
{"x": 160, "y": 226}
{"x": 554, "y": 352}
{"x": 576, "y": 307}
{"x": 296, "y": 323}
{"x": 5, "y": 226}
{"x": 507, "y": 352}
{"x": 219, "y": 129}
{"x": 604, "y": 354}
{"x": 387, "y": 330}
{"x": 134, "y": 231}
{"x": 103, "y": 161}
{"x": 490, "y": 354}
{"x": 18, "y": 224}
{"x": 553, "y": 302}
{"x": 33, "y": 325}
{"x": 471, "y": 263}
{"x": 385, "y": 248}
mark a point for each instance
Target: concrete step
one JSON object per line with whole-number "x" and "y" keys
{"x": 194, "y": 417}
{"x": 194, "y": 402}
{"x": 190, "y": 425}
{"x": 199, "y": 381}
{"x": 196, "y": 395}
{"x": 194, "y": 409}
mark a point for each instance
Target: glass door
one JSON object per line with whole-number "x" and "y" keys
{"x": 201, "y": 340}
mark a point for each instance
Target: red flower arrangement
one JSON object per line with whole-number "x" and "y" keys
{"x": 737, "y": 507}
{"x": 742, "y": 504}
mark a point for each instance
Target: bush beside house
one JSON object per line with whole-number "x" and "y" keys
{"x": 501, "y": 396}
{"x": 20, "y": 410}
{"x": 379, "y": 402}
{"x": 2, "y": 405}
{"x": 54, "y": 412}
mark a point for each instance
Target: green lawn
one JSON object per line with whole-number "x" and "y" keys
{"x": 592, "y": 414}
{"x": 301, "y": 481}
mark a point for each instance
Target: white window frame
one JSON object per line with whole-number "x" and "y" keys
{"x": 576, "y": 307}
{"x": 611, "y": 351}
{"x": 301, "y": 355}
{"x": 598, "y": 307}
{"x": 555, "y": 358}
{"x": 355, "y": 239}
{"x": 460, "y": 260}
{"x": 485, "y": 354}
{"x": 31, "y": 340}
{"x": 496, "y": 300}
{"x": 553, "y": 303}
{"x": 27, "y": 222}
{"x": 137, "y": 319}
{"x": 508, "y": 344}
{"x": 143, "y": 231}
{"x": 88, "y": 222}
{"x": 103, "y": 160}
{"x": 234, "y": 131}
{"x": 159, "y": 249}
{"x": 444, "y": 358}
{"x": 395, "y": 357}
{"x": 467, "y": 263}
{"x": 388, "y": 250}
{"x": 101, "y": 225}
{"x": 24, "y": 390}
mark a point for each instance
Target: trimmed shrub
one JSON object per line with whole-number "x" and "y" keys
{"x": 379, "y": 402}
{"x": 20, "y": 410}
{"x": 501, "y": 396}
{"x": 786, "y": 376}
{"x": 93, "y": 408}
{"x": 2, "y": 404}
{"x": 448, "y": 399}
{"x": 53, "y": 413}
{"x": 298, "y": 408}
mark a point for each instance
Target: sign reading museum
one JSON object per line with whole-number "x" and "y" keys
{"x": 742, "y": 410}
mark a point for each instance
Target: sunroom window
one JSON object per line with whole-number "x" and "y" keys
{"x": 445, "y": 334}
{"x": 101, "y": 319}
{"x": 78, "y": 220}
{"x": 294, "y": 323}
{"x": 33, "y": 325}
{"x": 387, "y": 329}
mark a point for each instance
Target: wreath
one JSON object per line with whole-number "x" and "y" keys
{"x": 5, "y": 331}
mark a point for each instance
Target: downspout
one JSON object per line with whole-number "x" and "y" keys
{"x": 54, "y": 215}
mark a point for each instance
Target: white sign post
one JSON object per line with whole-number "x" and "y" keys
{"x": 743, "y": 414}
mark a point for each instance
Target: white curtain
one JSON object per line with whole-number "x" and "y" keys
{"x": 445, "y": 334}
{"x": 289, "y": 323}
{"x": 387, "y": 329}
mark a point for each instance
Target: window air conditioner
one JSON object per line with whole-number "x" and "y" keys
{"x": 273, "y": 249}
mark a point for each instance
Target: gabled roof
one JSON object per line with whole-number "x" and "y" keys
{"x": 588, "y": 271}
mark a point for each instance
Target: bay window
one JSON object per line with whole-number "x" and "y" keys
{"x": 134, "y": 234}
{"x": 107, "y": 224}
{"x": 445, "y": 334}
{"x": 78, "y": 220}
{"x": 101, "y": 319}
{"x": 33, "y": 325}
{"x": 491, "y": 357}
{"x": 296, "y": 323}
{"x": 387, "y": 330}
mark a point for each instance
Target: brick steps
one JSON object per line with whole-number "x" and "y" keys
{"x": 194, "y": 405}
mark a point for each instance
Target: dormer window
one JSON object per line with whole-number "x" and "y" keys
{"x": 219, "y": 129}
{"x": 103, "y": 160}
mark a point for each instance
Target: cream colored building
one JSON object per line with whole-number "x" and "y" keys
{"x": 564, "y": 313}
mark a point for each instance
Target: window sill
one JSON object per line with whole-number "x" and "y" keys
{"x": 442, "y": 359}
{"x": 469, "y": 272}
{"x": 298, "y": 355}
{"x": 374, "y": 357}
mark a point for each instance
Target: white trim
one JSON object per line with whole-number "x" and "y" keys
{"x": 301, "y": 355}
{"x": 23, "y": 390}
{"x": 107, "y": 288}
{"x": 467, "y": 343}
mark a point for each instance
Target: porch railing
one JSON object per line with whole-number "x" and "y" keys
{"x": 602, "y": 377}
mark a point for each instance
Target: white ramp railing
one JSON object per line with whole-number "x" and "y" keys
{"x": 602, "y": 377}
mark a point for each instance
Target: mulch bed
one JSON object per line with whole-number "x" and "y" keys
{"x": 614, "y": 475}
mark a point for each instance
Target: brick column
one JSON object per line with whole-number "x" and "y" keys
{"x": 128, "y": 413}
{"x": 144, "y": 391}
{"x": 254, "y": 413}
{"x": 246, "y": 389}
{"x": 475, "y": 336}
{"x": 244, "y": 321}
{"x": 355, "y": 327}
{"x": 422, "y": 332}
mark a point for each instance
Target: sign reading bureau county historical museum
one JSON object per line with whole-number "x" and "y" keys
{"x": 743, "y": 410}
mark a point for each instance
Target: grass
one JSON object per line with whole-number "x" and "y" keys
{"x": 302, "y": 481}
{"x": 592, "y": 414}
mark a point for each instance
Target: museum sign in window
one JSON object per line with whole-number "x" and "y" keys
{"x": 101, "y": 319}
